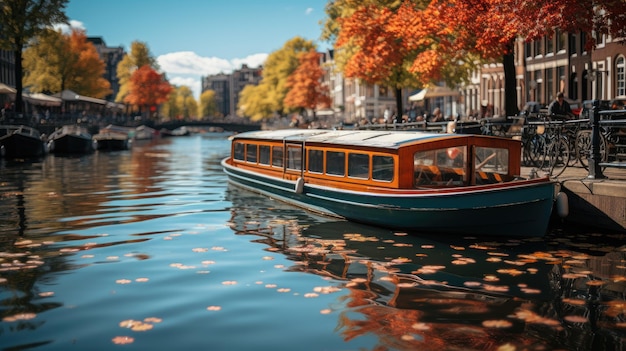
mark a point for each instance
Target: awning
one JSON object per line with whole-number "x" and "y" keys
{"x": 433, "y": 92}
{"x": 42, "y": 99}
{"x": 5, "y": 89}
{"x": 68, "y": 95}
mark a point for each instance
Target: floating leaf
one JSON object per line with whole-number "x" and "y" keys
{"x": 123, "y": 340}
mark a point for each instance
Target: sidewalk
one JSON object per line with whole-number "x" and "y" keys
{"x": 600, "y": 203}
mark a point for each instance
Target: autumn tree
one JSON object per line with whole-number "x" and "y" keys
{"x": 450, "y": 29}
{"x": 21, "y": 21}
{"x": 370, "y": 46}
{"x": 180, "y": 104}
{"x": 58, "y": 61}
{"x": 138, "y": 56}
{"x": 267, "y": 98}
{"x": 306, "y": 90}
{"x": 208, "y": 104}
{"x": 147, "y": 88}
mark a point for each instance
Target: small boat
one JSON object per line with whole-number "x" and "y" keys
{"x": 413, "y": 181}
{"x": 71, "y": 139}
{"x": 144, "y": 132}
{"x": 180, "y": 131}
{"x": 111, "y": 141}
{"x": 21, "y": 142}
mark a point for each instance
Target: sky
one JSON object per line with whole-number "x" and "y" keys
{"x": 195, "y": 38}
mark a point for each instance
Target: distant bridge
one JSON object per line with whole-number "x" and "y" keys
{"x": 231, "y": 127}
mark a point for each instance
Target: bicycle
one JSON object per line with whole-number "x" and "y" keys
{"x": 556, "y": 152}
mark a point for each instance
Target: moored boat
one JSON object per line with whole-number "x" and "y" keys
{"x": 71, "y": 139}
{"x": 445, "y": 183}
{"x": 112, "y": 141}
{"x": 21, "y": 142}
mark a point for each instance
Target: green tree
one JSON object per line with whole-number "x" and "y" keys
{"x": 21, "y": 21}
{"x": 208, "y": 105}
{"x": 56, "y": 61}
{"x": 138, "y": 56}
{"x": 266, "y": 99}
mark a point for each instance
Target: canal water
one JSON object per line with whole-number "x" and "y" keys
{"x": 152, "y": 249}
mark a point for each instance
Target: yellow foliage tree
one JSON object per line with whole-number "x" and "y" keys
{"x": 58, "y": 61}
{"x": 208, "y": 105}
{"x": 266, "y": 99}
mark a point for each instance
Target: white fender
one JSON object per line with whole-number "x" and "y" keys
{"x": 562, "y": 205}
{"x": 299, "y": 186}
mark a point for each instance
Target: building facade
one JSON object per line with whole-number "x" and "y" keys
{"x": 111, "y": 56}
{"x": 227, "y": 87}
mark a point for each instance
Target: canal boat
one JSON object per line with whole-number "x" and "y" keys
{"x": 111, "y": 141}
{"x": 71, "y": 139}
{"x": 428, "y": 182}
{"x": 21, "y": 142}
{"x": 113, "y": 138}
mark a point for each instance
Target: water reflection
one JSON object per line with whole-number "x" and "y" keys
{"x": 420, "y": 291}
{"x": 156, "y": 233}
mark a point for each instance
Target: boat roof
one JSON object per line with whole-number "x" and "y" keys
{"x": 372, "y": 138}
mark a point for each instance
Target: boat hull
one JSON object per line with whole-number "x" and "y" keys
{"x": 72, "y": 144}
{"x": 112, "y": 143}
{"x": 18, "y": 146}
{"x": 522, "y": 209}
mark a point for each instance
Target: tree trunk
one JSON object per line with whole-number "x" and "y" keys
{"x": 510, "y": 83}
{"x": 19, "y": 71}
{"x": 398, "y": 94}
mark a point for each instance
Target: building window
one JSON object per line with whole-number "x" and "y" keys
{"x": 537, "y": 47}
{"x": 561, "y": 40}
{"x": 549, "y": 45}
{"x": 620, "y": 78}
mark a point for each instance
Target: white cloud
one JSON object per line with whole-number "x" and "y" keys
{"x": 187, "y": 68}
{"x": 308, "y": 11}
{"x": 65, "y": 28}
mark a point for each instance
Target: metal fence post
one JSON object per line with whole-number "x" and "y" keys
{"x": 595, "y": 170}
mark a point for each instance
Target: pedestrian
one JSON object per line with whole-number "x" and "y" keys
{"x": 560, "y": 108}
{"x": 437, "y": 115}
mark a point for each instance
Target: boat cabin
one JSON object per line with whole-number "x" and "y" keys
{"x": 378, "y": 159}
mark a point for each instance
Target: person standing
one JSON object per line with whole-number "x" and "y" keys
{"x": 560, "y": 107}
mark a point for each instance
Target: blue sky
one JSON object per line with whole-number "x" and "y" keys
{"x": 194, "y": 38}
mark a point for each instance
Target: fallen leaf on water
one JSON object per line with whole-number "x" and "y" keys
{"x": 500, "y": 323}
{"x": 123, "y": 340}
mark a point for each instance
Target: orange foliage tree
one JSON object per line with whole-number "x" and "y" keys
{"x": 305, "y": 84}
{"x": 147, "y": 88}
{"x": 88, "y": 69}
{"x": 449, "y": 29}
{"x": 379, "y": 54}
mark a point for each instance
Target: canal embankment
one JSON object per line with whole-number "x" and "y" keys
{"x": 599, "y": 203}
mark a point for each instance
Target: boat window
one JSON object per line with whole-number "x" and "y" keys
{"x": 489, "y": 159}
{"x": 336, "y": 163}
{"x": 294, "y": 158}
{"x": 277, "y": 156}
{"x": 251, "y": 153}
{"x": 491, "y": 164}
{"x": 443, "y": 167}
{"x": 316, "y": 161}
{"x": 382, "y": 168}
{"x": 358, "y": 165}
{"x": 239, "y": 151}
{"x": 264, "y": 154}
